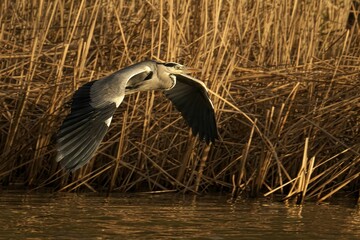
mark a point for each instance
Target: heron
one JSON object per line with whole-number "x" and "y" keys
{"x": 93, "y": 106}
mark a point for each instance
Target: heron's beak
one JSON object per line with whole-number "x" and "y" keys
{"x": 191, "y": 70}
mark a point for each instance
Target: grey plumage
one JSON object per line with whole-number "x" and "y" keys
{"x": 94, "y": 104}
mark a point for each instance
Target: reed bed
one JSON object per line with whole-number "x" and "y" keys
{"x": 284, "y": 77}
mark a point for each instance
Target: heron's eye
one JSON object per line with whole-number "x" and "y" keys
{"x": 170, "y": 64}
{"x": 178, "y": 67}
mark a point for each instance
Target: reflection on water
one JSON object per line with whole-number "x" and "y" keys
{"x": 39, "y": 216}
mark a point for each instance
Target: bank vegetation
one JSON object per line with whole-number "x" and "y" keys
{"x": 284, "y": 77}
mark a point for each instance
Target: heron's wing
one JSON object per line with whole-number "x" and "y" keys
{"x": 84, "y": 128}
{"x": 190, "y": 97}
{"x": 92, "y": 108}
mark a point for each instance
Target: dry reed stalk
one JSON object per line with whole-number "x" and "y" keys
{"x": 279, "y": 72}
{"x": 120, "y": 151}
{"x": 302, "y": 180}
{"x": 201, "y": 167}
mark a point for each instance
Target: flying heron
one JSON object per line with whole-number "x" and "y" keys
{"x": 94, "y": 104}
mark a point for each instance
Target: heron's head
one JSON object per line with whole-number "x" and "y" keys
{"x": 174, "y": 68}
{"x": 167, "y": 72}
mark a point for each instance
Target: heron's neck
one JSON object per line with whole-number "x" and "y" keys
{"x": 166, "y": 80}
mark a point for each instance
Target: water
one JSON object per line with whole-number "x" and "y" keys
{"x": 170, "y": 216}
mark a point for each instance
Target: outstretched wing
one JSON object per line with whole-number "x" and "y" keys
{"x": 92, "y": 108}
{"x": 190, "y": 97}
{"x": 83, "y": 129}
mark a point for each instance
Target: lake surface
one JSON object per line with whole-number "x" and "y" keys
{"x": 170, "y": 216}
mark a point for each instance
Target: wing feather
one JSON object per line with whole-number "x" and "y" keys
{"x": 92, "y": 108}
{"x": 83, "y": 129}
{"x": 190, "y": 97}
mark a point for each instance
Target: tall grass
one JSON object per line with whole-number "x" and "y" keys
{"x": 284, "y": 77}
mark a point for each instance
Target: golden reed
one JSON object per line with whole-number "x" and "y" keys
{"x": 284, "y": 79}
